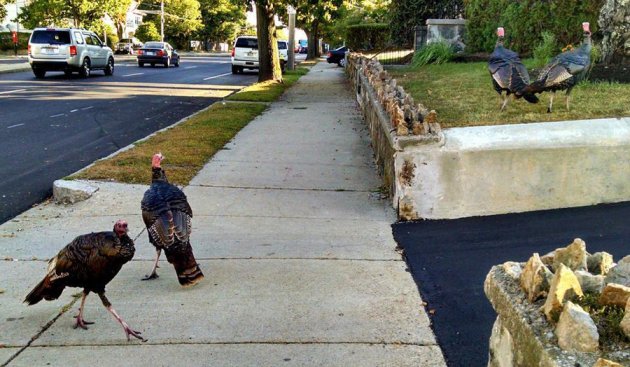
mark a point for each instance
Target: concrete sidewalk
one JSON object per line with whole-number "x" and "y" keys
{"x": 290, "y": 231}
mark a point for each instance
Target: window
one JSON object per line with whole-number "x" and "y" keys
{"x": 282, "y": 45}
{"x": 96, "y": 40}
{"x": 78, "y": 37}
{"x": 51, "y": 37}
{"x": 247, "y": 43}
{"x": 88, "y": 40}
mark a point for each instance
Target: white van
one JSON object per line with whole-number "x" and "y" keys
{"x": 245, "y": 54}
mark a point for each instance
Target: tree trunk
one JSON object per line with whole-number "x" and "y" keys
{"x": 313, "y": 44}
{"x": 268, "y": 59}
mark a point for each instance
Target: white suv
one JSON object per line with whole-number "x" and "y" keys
{"x": 68, "y": 50}
{"x": 245, "y": 54}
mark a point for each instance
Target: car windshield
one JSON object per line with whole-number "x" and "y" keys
{"x": 282, "y": 45}
{"x": 125, "y": 40}
{"x": 52, "y": 37}
{"x": 154, "y": 45}
{"x": 247, "y": 42}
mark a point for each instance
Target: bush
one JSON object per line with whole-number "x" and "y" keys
{"x": 147, "y": 31}
{"x": 6, "y": 41}
{"x": 545, "y": 50}
{"x": 433, "y": 53}
{"x": 370, "y": 36}
{"x": 525, "y": 20}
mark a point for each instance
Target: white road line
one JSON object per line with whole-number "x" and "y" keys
{"x": 13, "y": 91}
{"x": 87, "y": 108}
{"x": 217, "y": 76}
{"x": 12, "y": 126}
{"x": 134, "y": 74}
{"x": 190, "y": 67}
{"x": 58, "y": 115}
{"x": 73, "y": 111}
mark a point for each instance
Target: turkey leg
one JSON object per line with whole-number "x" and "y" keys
{"x": 568, "y": 97}
{"x": 553, "y": 94}
{"x": 80, "y": 321}
{"x": 153, "y": 274}
{"x": 506, "y": 98}
{"x": 128, "y": 330}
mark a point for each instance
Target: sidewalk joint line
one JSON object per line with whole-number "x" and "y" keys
{"x": 149, "y": 344}
{"x": 279, "y": 188}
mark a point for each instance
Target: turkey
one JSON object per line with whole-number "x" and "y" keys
{"x": 90, "y": 261}
{"x": 564, "y": 71}
{"x": 508, "y": 73}
{"x": 168, "y": 217}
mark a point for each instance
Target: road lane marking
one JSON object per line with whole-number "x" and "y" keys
{"x": 73, "y": 111}
{"x": 12, "y": 126}
{"x": 13, "y": 91}
{"x": 87, "y": 108}
{"x": 217, "y": 76}
{"x": 58, "y": 115}
{"x": 190, "y": 67}
{"x": 134, "y": 74}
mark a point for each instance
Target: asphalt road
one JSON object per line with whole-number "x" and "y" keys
{"x": 449, "y": 260}
{"x": 53, "y": 127}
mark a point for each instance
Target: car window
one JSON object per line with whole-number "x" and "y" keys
{"x": 96, "y": 40}
{"x": 247, "y": 42}
{"x": 88, "y": 39}
{"x": 282, "y": 45}
{"x": 153, "y": 45}
{"x": 51, "y": 37}
{"x": 78, "y": 37}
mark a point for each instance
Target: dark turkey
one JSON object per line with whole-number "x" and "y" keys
{"x": 508, "y": 73}
{"x": 168, "y": 217}
{"x": 564, "y": 71}
{"x": 90, "y": 261}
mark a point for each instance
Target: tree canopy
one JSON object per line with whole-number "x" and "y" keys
{"x": 77, "y": 13}
{"x": 221, "y": 19}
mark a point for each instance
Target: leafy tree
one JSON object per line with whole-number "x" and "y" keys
{"x": 352, "y": 13}
{"x": 182, "y": 18}
{"x": 3, "y": 11}
{"x": 222, "y": 19}
{"x": 268, "y": 58}
{"x": 77, "y": 13}
{"x": 147, "y": 31}
{"x": 40, "y": 13}
{"x": 405, "y": 15}
{"x": 313, "y": 16}
{"x": 117, "y": 11}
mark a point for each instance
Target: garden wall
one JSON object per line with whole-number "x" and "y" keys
{"x": 472, "y": 171}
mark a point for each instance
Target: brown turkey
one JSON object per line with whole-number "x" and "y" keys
{"x": 564, "y": 71}
{"x": 168, "y": 217}
{"x": 508, "y": 73}
{"x": 90, "y": 261}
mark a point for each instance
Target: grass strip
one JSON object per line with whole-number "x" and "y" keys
{"x": 187, "y": 147}
{"x": 268, "y": 91}
{"x": 462, "y": 94}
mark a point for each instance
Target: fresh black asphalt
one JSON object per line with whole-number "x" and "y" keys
{"x": 53, "y": 127}
{"x": 449, "y": 260}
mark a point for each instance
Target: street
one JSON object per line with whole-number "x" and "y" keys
{"x": 53, "y": 127}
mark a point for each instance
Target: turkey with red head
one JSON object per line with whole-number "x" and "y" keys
{"x": 508, "y": 73}
{"x": 168, "y": 217}
{"x": 90, "y": 261}
{"x": 564, "y": 71}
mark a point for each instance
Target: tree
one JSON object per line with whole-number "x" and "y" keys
{"x": 312, "y": 16}
{"x": 405, "y": 15}
{"x": 77, "y": 13}
{"x": 221, "y": 20}
{"x": 117, "y": 11}
{"x": 268, "y": 58}
{"x": 3, "y": 11}
{"x": 181, "y": 19}
{"x": 352, "y": 13}
{"x": 147, "y": 31}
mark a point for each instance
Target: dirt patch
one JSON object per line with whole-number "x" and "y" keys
{"x": 611, "y": 73}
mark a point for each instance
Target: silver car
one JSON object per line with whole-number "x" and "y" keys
{"x": 68, "y": 50}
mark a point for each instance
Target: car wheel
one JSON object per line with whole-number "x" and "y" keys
{"x": 342, "y": 62}
{"x": 234, "y": 69}
{"x": 109, "y": 69}
{"x": 68, "y": 72}
{"x": 177, "y": 63}
{"x": 240, "y": 69}
{"x": 85, "y": 68}
{"x": 152, "y": 64}
{"x": 141, "y": 64}
{"x": 167, "y": 63}
{"x": 39, "y": 74}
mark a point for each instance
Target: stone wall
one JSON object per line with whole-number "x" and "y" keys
{"x": 614, "y": 25}
{"x": 449, "y": 30}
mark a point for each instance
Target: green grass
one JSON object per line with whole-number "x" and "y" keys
{"x": 608, "y": 320}
{"x": 463, "y": 95}
{"x": 269, "y": 91}
{"x": 186, "y": 147}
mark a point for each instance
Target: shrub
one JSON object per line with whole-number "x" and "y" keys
{"x": 525, "y": 20}
{"x": 370, "y": 36}
{"x": 147, "y": 31}
{"x": 545, "y": 50}
{"x": 6, "y": 40}
{"x": 433, "y": 53}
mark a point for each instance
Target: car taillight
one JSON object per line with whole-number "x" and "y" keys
{"x": 233, "y": 52}
{"x": 139, "y": 52}
{"x": 29, "y": 49}
{"x": 160, "y": 53}
{"x": 73, "y": 50}
{"x": 329, "y": 54}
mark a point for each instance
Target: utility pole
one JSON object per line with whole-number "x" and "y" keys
{"x": 17, "y": 22}
{"x": 291, "y": 50}
{"x": 162, "y": 21}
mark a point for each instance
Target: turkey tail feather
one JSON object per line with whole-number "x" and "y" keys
{"x": 46, "y": 289}
{"x": 180, "y": 254}
{"x": 530, "y": 97}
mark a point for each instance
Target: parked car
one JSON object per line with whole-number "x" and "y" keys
{"x": 68, "y": 50}
{"x": 158, "y": 53}
{"x": 338, "y": 56}
{"x": 303, "y": 46}
{"x": 245, "y": 53}
{"x": 128, "y": 46}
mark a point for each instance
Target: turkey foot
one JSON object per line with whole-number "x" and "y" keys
{"x": 81, "y": 322}
{"x": 153, "y": 275}
{"x": 128, "y": 331}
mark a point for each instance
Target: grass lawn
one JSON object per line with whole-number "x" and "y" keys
{"x": 462, "y": 94}
{"x": 269, "y": 91}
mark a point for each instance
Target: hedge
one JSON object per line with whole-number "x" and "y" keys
{"x": 525, "y": 20}
{"x": 369, "y": 36}
{"x": 6, "y": 40}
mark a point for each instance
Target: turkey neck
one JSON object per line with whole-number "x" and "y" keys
{"x": 586, "y": 44}
{"x": 158, "y": 175}
{"x": 499, "y": 42}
